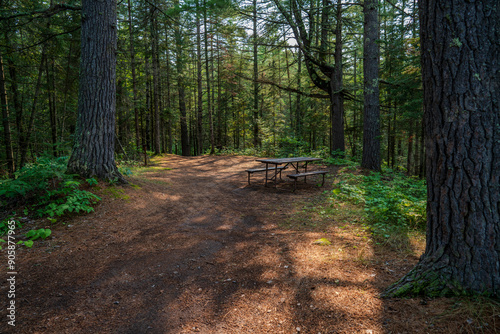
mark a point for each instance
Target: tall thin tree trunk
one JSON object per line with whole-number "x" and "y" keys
{"x": 219, "y": 96}
{"x": 134, "y": 77}
{"x": 147, "y": 129}
{"x": 199, "y": 79}
{"x": 26, "y": 139}
{"x": 9, "y": 153}
{"x": 66, "y": 90}
{"x": 207, "y": 70}
{"x": 371, "y": 123}
{"x": 355, "y": 112}
{"x": 336, "y": 86}
{"x": 156, "y": 85}
{"x": 392, "y": 147}
{"x": 18, "y": 107}
{"x": 180, "y": 66}
{"x": 169, "y": 103}
{"x": 255, "y": 78}
{"x": 409, "y": 158}
{"x": 292, "y": 120}
{"x": 52, "y": 104}
{"x": 298, "y": 110}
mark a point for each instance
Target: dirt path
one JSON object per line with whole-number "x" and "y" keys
{"x": 195, "y": 249}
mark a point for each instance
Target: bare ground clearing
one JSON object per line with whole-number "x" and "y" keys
{"x": 196, "y": 249}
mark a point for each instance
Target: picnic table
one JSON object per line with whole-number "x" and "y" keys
{"x": 278, "y": 164}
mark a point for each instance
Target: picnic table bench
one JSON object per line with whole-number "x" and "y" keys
{"x": 257, "y": 170}
{"x": 304, "y": 175}
{"x": 279, "y": 164}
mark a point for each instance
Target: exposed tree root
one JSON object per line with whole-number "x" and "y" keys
{"x": 424, "y": 280}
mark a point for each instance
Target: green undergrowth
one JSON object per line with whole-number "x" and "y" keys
{"x": 390, "y": 206}
{"x": 43, "y": 190}
{"x": 391, "y": 201}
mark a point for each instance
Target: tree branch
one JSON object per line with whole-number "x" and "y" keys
{"x": 288, "y": 89}
{"x": 52, "y": 10}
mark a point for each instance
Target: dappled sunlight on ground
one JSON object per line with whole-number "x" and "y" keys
{"x": 192, "y": 248}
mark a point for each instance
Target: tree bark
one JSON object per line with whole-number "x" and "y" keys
{"x": 298, "y": 110}
{"x": 336, "y": 83}
{"x": 169, "y": 95}
{"x": 147, "y": 128}
{"x": 355, "y": 112}
{"x": 25, "y": 141}
{"x": 371, "y": 121}
{"x": 52, "y": 104}
{"x": 179, "y": 41}
{"x": 156, "y": 79}
{"x": 460, "y": 68}
{"x": 9, "y": 153}
{"x": 93, "y": 151}
{"x": 199, "y": 78}
{"x": 255, "y": 78}
{"x": 409, "y": 157}
{"x": 207, "y": 70}
{"x": 18, "y": 108}
{"x": 134, "y": 78}
{"x": 220, "y": 140}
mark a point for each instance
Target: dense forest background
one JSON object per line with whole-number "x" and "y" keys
{"x": 200, "y": 76}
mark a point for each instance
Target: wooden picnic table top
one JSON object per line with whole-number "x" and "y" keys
{"x": 279, "y": 161}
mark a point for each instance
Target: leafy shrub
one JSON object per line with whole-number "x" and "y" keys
{"x": 46, "y": 189}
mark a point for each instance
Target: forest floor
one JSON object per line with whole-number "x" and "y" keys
{"x": 190, "y": 247}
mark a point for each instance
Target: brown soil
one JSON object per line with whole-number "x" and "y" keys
{"x": 197, "y": 249}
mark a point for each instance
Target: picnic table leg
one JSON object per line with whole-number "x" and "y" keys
{"x": 305, "y": 177}
{"x": 275, "y": 176}
{"x": 267, "y": 168}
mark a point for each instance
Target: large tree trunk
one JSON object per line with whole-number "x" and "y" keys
{"x": 371, "y": 121}
{"x": 460, "y": 67}
{"x": 93, "y": 151}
